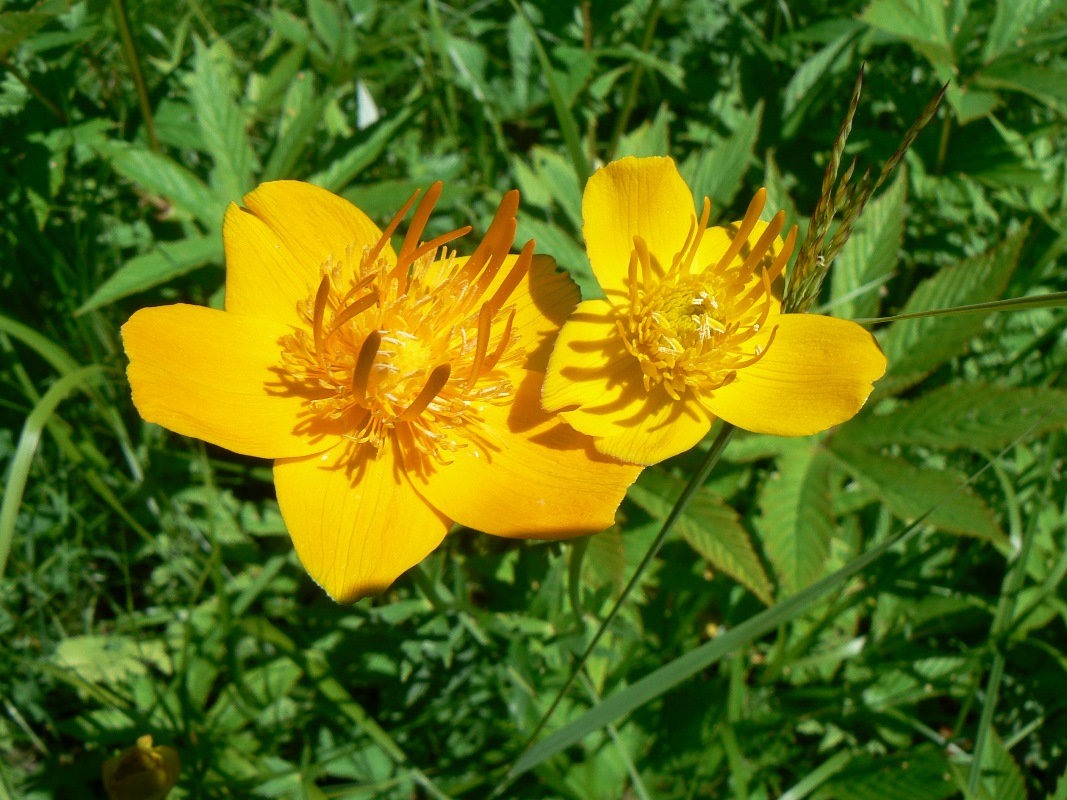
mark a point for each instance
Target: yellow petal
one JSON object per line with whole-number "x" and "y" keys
{"x": 817, "y": 373}
{"x": 356, "y": 522}
{"x": 314, "y": 224}
{"x": 263, "y": 278}
{"x": 534, "y": 477}
{"x": 630, "y": 197}
{"x": 662, "y": 428}
{"x": 216, "y": 376}
{"x": 588, "y": 359}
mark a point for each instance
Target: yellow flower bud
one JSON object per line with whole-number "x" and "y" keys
{"x": 142, "y": 772}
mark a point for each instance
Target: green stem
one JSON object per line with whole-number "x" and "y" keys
{"x": 135, "y": 70}
{"x": 635, "y": 79}
{"x": 691, "y": 488}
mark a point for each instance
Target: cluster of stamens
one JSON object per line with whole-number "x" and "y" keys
{"x": 693, "y": 329}
{"x": 413, "y": 346}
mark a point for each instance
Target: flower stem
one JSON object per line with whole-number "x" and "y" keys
{"x": 698, "y": 479}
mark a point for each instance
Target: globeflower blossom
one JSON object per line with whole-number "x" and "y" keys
{"x": 397, "y": 391}
{"x": 692, "y": 328}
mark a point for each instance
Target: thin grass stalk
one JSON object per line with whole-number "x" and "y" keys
{"x": 651, "y": 18}
{"x": 666, "y": 677}
{"x": 130, "y": 49}
{"x": 568, "y": 127}
{"x": 699, "y": 477}
{"x": 1002, "y": 622}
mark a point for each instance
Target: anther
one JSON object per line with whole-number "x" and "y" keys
{"x": 364, "y": 362}
{"x": 319, "y": 313}
{"x": 435, "y": 383}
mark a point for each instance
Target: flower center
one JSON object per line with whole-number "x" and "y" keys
{"x": 414, "y": 347}
{"x": 693, "y": 330}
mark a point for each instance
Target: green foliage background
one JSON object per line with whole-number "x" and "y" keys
{"x": 148, "y": 584}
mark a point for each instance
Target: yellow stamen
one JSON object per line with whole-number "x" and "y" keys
{"x": 755, "y": 208}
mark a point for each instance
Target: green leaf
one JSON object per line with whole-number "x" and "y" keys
{"x": 567, "y": 252}
{"x": 16, "y": 26}
{"x": 1013, "y": 21}
{"x": 1048, "y": 85}
{"x": 920, "y": 775}
{"x": 213, "y": 93}
{"x": 909, "y": 492}
{"x": 167, "y": 261}
{"x": 796, "y": 518}
{"x": 870, "y": 255}
{"x": 718, "y": 171}
{"x": 977, "y": 415}
{"x": 158, "y": 175}
{"x": 647, "y": 139}
{"x": 110, "y": 659}
{"x": 918, "y": 22}
{"x": 365, "y": 149}
{"x": 710, "y": 526}
{"x": 301, "y": 114}
{"x": 915, "y": 348}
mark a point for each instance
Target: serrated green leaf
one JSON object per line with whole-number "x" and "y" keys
{"x": 796, "y": 518}
{"x": 110, "y": 659}
{"x": 1013, "y": 20}
{"x": 916, "y": 348}
{"x": 158, "y": 175}
{"x": 909, "y": 492}
{"x": 167, "y": 261}
{"x": 710, "y": 526}
{"x": 921, "y": 775}
{"x": 213, "y": 93}
{"x": 16, "y": 26}
{"x": 717, "y": 172}
{"x": 1047, "y": 84}
{"x": 918, "y": 22}
{"x": 979, "y": 415}
{"x": 870, "y": 255}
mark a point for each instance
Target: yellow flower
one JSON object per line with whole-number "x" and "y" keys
{"x": 397, "y": 391}
{"x": 142, "y": 772}
{"x": 691, "y": 328}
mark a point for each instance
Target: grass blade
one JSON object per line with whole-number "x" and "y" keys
{"x": 19, "y": 472}
{"x": 671, "y": 674}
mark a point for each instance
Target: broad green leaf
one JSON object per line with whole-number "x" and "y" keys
{"x": 1013, "y": 21}
{"x": 710, "y": 526}
{"x": 110, "y": 659}
{"x": 365, "y": 149}
{"x": 1001, "y": 778}
{"x": 978, "y": 415}
{"x": 870, "y": 255}
{"x": 796, "y": 518}
{"x": 167, "y": 261}
{"x": 647, "y": 139}
{"x": 919, "y": 22}
{"x": 16, "y": 26}
{"x": 158, "y": 175}
{"x": 301, "y": 114}
{"x": 916, "y": 348}
{"x": 718, "y": 170}
{"x": 213, "y": 92}
{"x": 1047, "y": 84}
{"x": 567, "y": 252}
{"x": 920, "y": 775}
{"x": 802, "y": 90}
{"x": 909, "y": 492}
